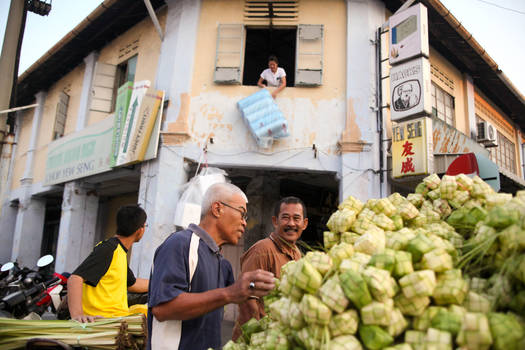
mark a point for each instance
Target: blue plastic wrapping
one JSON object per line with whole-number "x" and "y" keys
{"x": 263, "y": 117}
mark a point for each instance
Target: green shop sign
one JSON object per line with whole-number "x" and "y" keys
{"x": 81, "y": 154}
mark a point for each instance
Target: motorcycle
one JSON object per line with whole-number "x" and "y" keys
{"x": 28, "y": 291}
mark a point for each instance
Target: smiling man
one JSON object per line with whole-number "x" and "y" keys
{"x": 270, "y": 254}
{"x": 191, "y": 281}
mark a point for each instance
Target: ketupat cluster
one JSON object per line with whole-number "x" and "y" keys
{"x": 406, "y": 273}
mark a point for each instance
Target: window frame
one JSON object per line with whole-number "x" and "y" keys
{"x": 59, "y": 126}
{"x": 447, "y": 101}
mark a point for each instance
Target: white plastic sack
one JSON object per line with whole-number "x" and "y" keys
{"x": 189, "y": 207}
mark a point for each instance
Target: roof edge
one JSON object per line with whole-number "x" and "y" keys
{"x": 469, "y": 38}
{"x": 100, "y": 9}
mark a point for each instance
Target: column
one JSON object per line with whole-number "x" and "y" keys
{"x": 85, "y": 97}
{"x": 161, "y": 184}
{"x": 360, "y": 140}
{"x": 76, "y": 235}
{"x": 29, "y": 226}
{"x": 175, "y": 70}
{"x": 470, "y": 107}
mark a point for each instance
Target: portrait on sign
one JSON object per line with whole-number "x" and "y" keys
{"x": 406, "y": 95}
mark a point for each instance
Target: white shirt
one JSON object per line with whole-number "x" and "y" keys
{"x": 273, "y": 79}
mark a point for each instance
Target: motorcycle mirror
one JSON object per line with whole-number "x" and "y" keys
{"x": 7, "y": 266}
{"x": 45, "y": 260}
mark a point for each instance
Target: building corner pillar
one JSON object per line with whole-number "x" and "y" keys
{"x": 78, "y": 222}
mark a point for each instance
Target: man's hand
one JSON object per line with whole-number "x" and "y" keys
{"x": 85, "y": 318}
{"x": 256, "y": 283}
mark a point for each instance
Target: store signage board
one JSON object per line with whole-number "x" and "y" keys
{"x": 410, "y": 89}
{"x": 88, "y": 152}
{"x": 412, "y": 148}
{"x": 81, "y": 154}
{"x": 408, "y": 34}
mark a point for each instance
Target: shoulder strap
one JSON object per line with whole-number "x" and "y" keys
{"x": 193, "y": 256}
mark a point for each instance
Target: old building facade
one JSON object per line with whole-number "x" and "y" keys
{"x": 206, "y": 56}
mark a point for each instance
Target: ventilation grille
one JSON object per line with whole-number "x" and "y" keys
{"x": 441, "y": 76}
{"x": 271, "y": 11}
{"x": 128, "y": 50}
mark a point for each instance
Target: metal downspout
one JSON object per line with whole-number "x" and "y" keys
{"x": 379, "y": 112}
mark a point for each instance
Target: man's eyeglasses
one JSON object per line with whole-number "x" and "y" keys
{"x": 244, "y": 214}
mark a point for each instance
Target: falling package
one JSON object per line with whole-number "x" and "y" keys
{"x": 264, "y": 119}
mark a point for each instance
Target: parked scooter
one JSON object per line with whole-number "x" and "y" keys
{"x": 25, "y": 288}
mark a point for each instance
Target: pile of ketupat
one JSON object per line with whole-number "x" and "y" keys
{"x": 440, "y": 269}
{"x": 128, "y": 332}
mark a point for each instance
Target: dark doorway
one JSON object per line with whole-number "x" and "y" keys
{"x": 321, "y": 201}
{"x": 51, "y": 226}
{"x": 260, "y": 44}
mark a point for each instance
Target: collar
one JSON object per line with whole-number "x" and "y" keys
{"x": 122, "y": 245}
{"x": 285, "y": 247}
{"x": 210, "y": 242}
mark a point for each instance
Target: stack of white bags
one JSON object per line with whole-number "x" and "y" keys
{"x": 263, "y": 117}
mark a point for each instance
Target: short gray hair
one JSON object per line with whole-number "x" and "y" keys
{"x": 219, "y": 192}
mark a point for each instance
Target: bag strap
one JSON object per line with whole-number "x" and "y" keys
{"x": 193, "y": 256}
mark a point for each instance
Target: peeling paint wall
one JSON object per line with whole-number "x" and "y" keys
{"x": 315, "y": 115}
{"x": 148, "y": 41}
{"x": 71, "y": 84}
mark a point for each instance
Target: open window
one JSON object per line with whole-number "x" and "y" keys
{"x": 242, "y": 53}
{"x": 108, "y": 78}
{"x": 60, "y": 116}
{"x": 263, "y": 42}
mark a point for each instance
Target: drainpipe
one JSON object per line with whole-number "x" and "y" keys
{"x": 379, "y": 115}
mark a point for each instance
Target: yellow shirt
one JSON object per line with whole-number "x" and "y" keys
{"x": 106, "y": 279}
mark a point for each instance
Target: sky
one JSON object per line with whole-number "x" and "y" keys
{"x": 498, "y": 25}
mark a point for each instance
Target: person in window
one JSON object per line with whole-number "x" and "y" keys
{"x": 270, "y": 254}
{"x": 273, "y": 75}
{"x": 99, "y": 286}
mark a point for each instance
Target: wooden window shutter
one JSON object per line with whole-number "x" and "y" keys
{"x": 103, "y": 87}
{"x": 60, "y": 116}
{"x": 309, "y": 55}
{"x": 229, "y": 54}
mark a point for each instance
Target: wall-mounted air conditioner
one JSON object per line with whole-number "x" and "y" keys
{"x": 487, "y": 134}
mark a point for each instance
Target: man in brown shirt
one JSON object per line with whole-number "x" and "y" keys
{"x": 272, "y": 253}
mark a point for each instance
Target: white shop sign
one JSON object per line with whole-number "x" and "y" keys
{"x": 408, "y": 34}
{"x": 410, "y": 88}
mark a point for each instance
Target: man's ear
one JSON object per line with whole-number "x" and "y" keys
{"x": 274, "y": 221}
{"x": 216, "y": 209}
{"x": 305, "y": 223}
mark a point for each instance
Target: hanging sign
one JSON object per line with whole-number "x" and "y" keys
{"x": 412, "y": 148}
{"x": 408, "y": 34}
{"x": 410, "y": 88}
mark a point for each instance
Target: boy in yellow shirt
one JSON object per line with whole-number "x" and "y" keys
{"x": 99, "y": 286}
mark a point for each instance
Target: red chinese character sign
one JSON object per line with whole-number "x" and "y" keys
{"x": 412, "y": 147}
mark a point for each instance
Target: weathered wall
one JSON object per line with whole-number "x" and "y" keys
{"x": 144, "y": 37}
{"x": 315, "y": 115}
{"x": 71, "y": 84}
{"x": 450, "y": 79}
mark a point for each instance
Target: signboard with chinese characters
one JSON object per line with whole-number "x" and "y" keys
{"x": 412, "y": 148}
{"x": 408, "y": 34}
{"x": 410, "y": 89}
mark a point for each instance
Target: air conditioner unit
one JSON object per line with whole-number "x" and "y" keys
{"x": 487, "y": 134}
